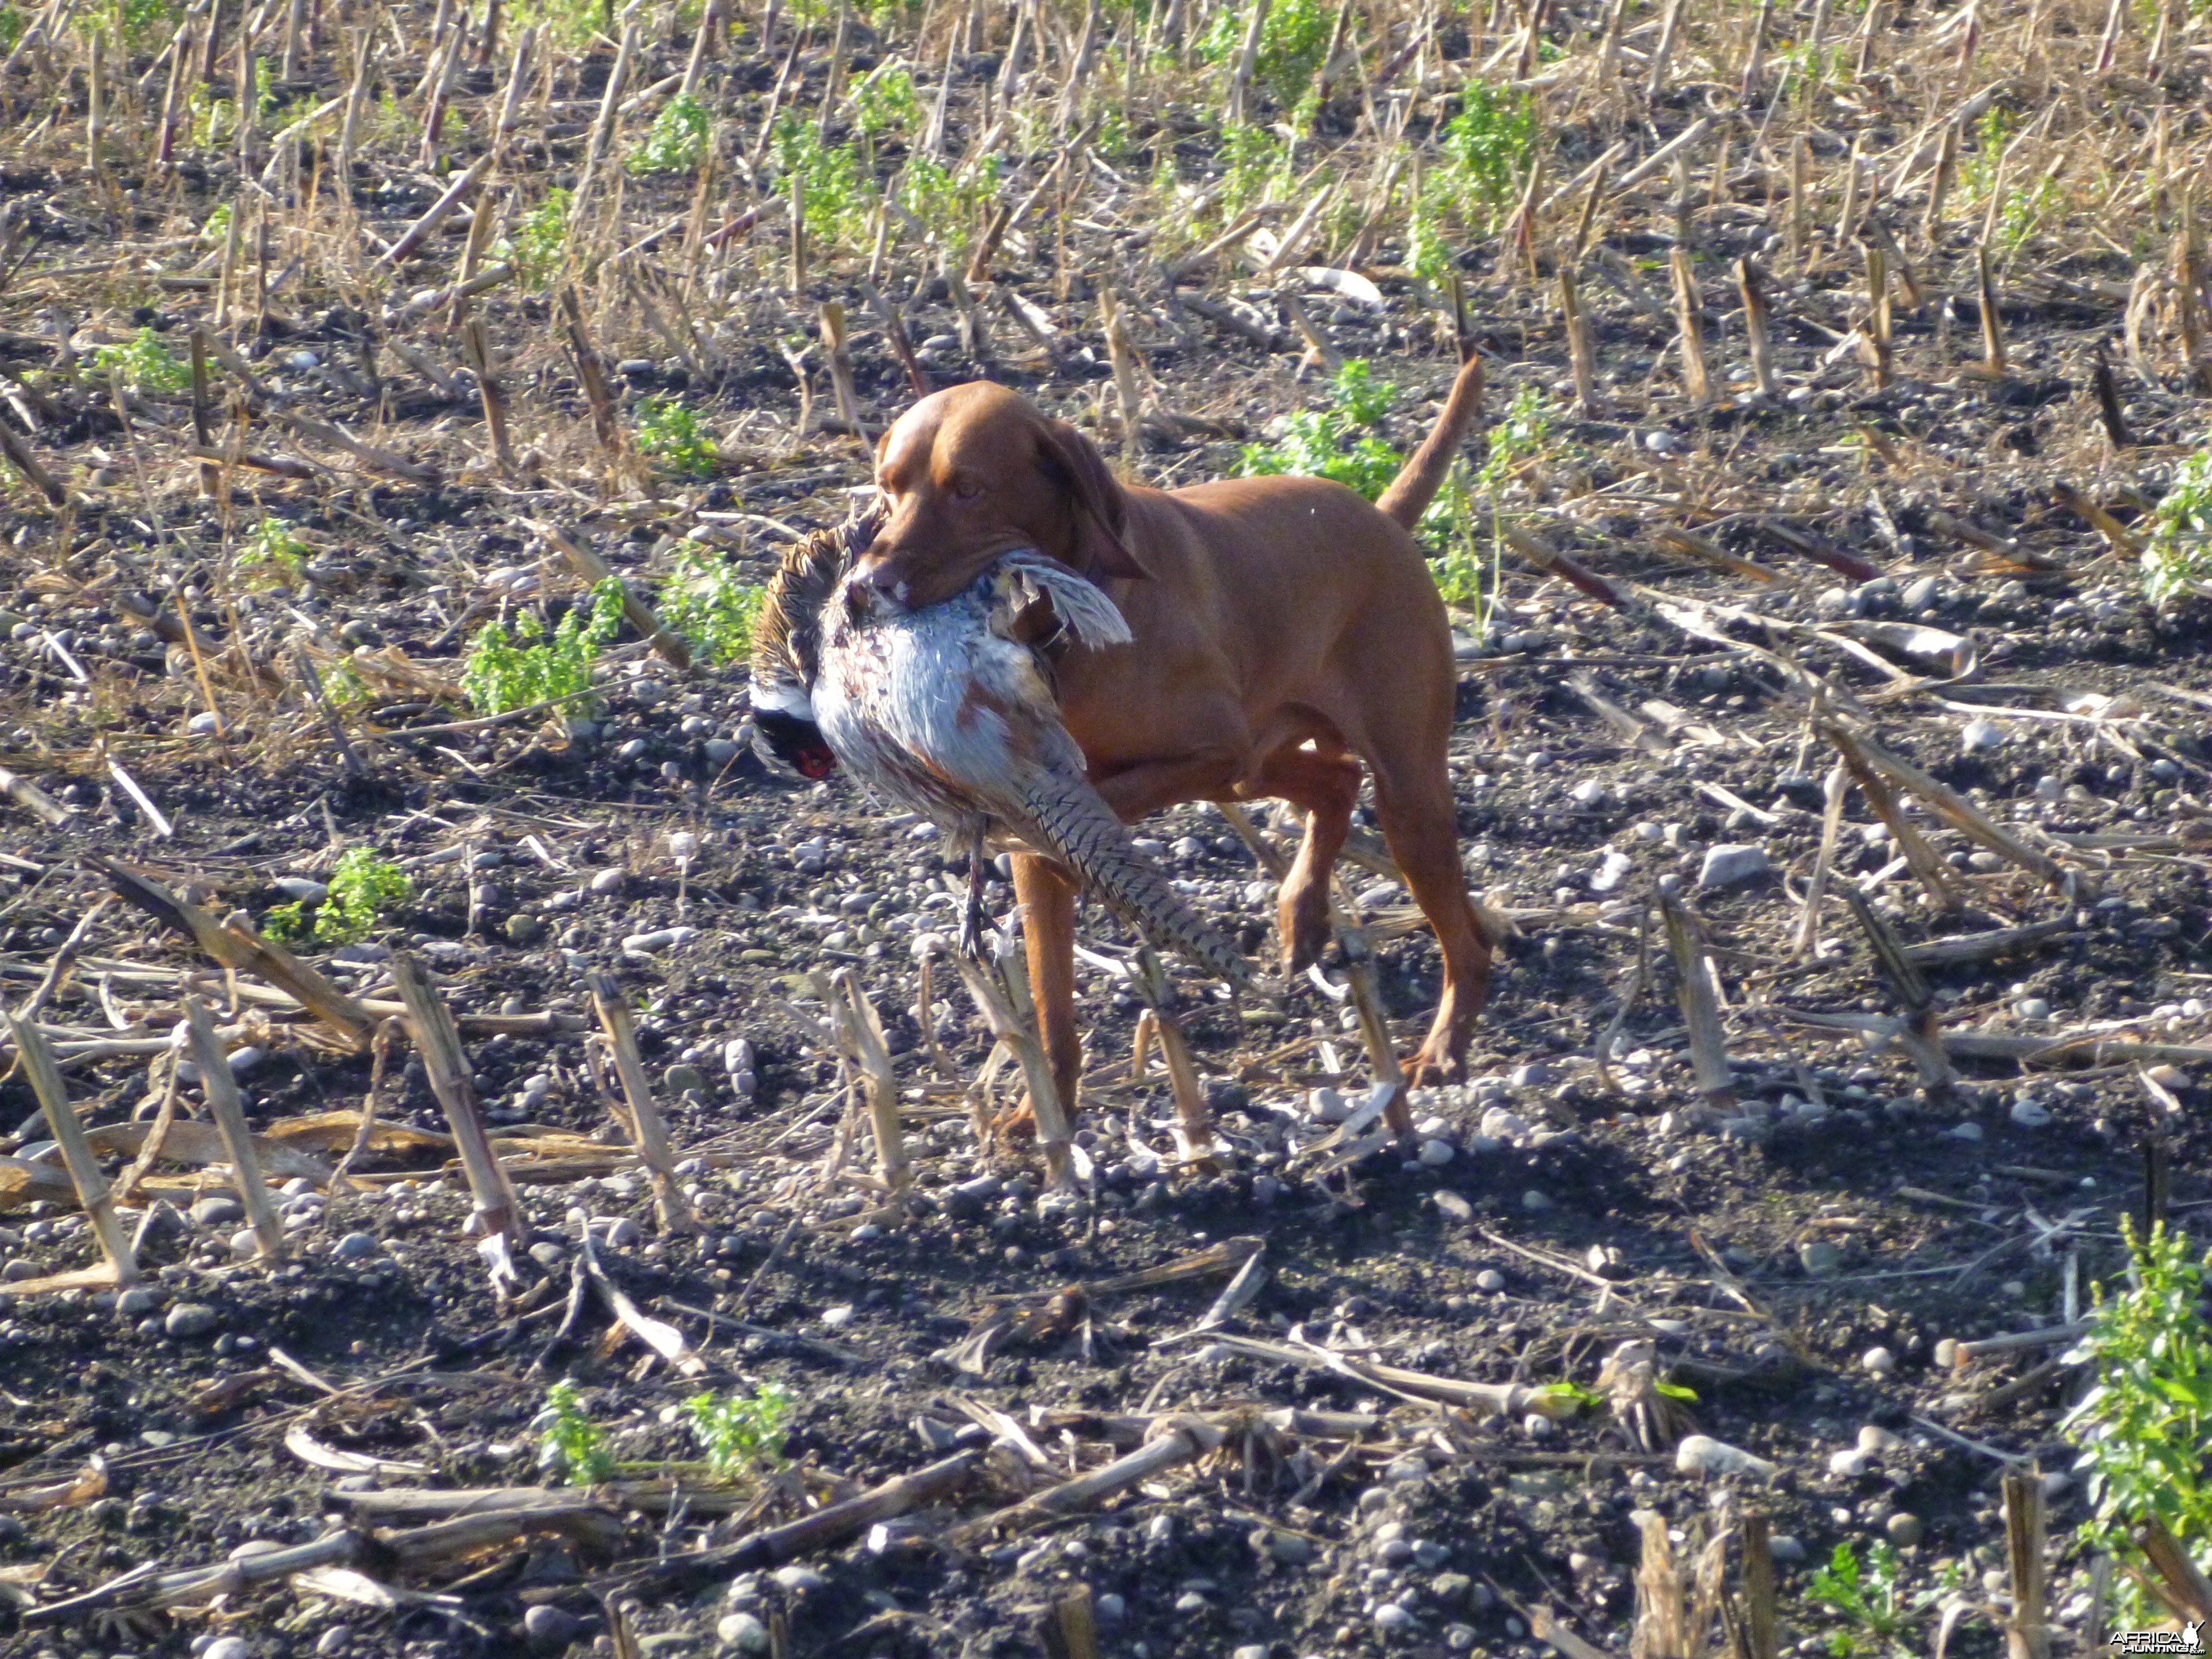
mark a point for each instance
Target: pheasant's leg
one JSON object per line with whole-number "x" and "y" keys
{"x": 971, "y": 925}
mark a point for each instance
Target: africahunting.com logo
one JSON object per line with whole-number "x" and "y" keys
{"x": 2190, "y": 1638}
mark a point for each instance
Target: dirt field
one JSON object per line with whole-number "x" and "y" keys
{"x": 1866, "y": 613}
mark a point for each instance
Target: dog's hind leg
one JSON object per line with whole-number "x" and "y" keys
{"x": 1414, "y": 803}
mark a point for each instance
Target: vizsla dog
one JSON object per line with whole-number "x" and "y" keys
{"x": 1283, "y": 631}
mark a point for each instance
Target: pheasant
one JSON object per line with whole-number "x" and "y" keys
{"x": 950, "y": 712}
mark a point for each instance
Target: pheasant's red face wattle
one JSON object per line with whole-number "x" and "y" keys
{"x": 815, "y": 761}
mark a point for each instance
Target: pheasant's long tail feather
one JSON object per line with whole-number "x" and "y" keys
{"x": 1079, "y": 826}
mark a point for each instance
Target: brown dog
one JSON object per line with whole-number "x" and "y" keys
{"x": 1282, "y": 626}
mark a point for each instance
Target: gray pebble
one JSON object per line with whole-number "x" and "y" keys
{"x": 1490, "y": 1281}
{"x": 744, "y": 1632}
{"x": 356, "y": 1247}
{"x": 801, "y": 1581}
{"x": 333, "y": 1639}
{"x": 227, "y": 1647}
{"x": 609, "y": 881}
{"x": 550, "y": 1628}
{"x": 219, "y": 1211}
{"x": 1110, "y": 1608}
{"x": 547, "y": 1255}
{"x": 524, "y": 929}
{"x": 190, "y": 1319}
{"x": 1904, "y": 1529}
{"x": 681, "y": 1080}
{"x": 1785, "y": 1548}
{"x": 1534, "y": 1201}
{"x": 137, "y": 1302}
{"x": 1818, "y": 1258}
{"x": 720, "y": 752}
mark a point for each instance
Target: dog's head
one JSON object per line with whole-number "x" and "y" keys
{"x": 975, "y": 471}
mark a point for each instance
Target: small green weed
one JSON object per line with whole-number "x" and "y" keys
{"x": 540, "y": 243}
{"x": 1253, "y": 159}
{"x": 1487, "y": 146}
{"x": 704, "y": 601}
{"x": 669, "y": 432}
{"x": 2024, "y": 210}
{"x": 676, "y": 140}
{"x": 144, "y": 362}
{"x": 2179, "y": 553}
{"x": 570, "y": 22}
{"x": 1292, "y": 42}
{"x": 274, "y": 553}
{"x": 887, "y": 102}
{"x": 570, "y": 1444}
{"x": 839, "y": 197}
{"x": 741, "y": 1432}
{"x": 1873, "y": 1598}
{"x": 142, "y": 19}
{"x": 1524, "y": 432}
{"x": 1338, "y": 443}
{"x": 364, "y": 888}
{"x": 946, "y": 205}
{"x": 1977, "y": 170}
{"x": 12, "y": 23}
{"x": 2144, "y": 1429}
{"x": 503, "y": 671}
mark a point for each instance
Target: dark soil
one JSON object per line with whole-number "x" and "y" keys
{"x": 1797, "y": 1254}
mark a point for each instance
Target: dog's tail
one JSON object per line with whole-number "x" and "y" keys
{"x": 1418, "y": 480}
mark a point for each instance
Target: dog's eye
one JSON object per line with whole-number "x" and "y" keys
{"x": 967, "y": 489}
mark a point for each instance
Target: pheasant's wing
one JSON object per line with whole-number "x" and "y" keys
{"x": 1082, "y": 607}
{"x": 1071, "y": 818}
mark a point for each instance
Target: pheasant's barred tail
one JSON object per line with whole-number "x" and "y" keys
{"x": 1083, "y": 830}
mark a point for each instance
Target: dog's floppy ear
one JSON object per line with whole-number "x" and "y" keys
{"x": 1101, "y": 512}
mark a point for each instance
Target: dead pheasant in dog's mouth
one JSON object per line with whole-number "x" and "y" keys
{"x": 943, "y": 711}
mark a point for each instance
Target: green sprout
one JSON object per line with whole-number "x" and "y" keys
{"x": 539, "y": 242}
{"x": 1487, "y": 146}
{"x": 2179, "y": 557}
{"x": 569, "y": 1443}
{"x": 1253, "y": 159}
{"x": 1341, "y": 443}
{"x": 704, "y": 603}
{"x": 272, "y": 550}
{"x": 2144, "y": 1426}
{"x": 669, "y": 432}
{"x": 742, "y": 1432}
{"x": 504, "y": 672}
{"x": 677, "y": 139}
{"x": 887, "y": 102}
{"x": 1873, "y": 1598}
{"x": 143, "y": 363}
{"x": 1291, "y": 41}
{"x": 364, "y": 887}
